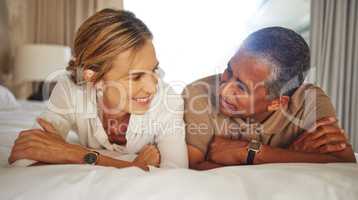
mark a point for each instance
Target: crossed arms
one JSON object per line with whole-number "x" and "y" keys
{"x": 323, "y": 143}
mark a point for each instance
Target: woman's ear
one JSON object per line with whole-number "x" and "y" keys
{"x": 88, "y": 75}
{"x": 275, "y": 104}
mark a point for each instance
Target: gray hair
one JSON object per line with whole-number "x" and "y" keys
{"x": 286, "y": 52}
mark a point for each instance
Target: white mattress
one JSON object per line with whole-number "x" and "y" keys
{"x": 13, "y": 121}
{"x": 274, "y": 181}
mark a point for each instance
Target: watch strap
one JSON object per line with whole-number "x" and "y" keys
{"x": 250, "y": 157}
{"x": 254, "y": 147}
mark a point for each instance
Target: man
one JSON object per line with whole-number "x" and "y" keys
{"x": 260, "y": 111}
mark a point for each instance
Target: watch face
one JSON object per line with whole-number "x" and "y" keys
{"x": 255, "y": 145}
{"x": 90, "y": 158}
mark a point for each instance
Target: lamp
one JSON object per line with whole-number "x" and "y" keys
{"x": 35, "y": 62}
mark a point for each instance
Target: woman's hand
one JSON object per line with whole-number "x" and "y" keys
{"x": 44, "y": 146}
{"x": 149, "y": 155}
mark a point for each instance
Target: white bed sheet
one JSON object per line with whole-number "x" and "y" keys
{"x": 274, "y": 181}
{"x": 13, "y": 121}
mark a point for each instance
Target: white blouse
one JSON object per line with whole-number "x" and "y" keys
{"x": 74, "y": 107}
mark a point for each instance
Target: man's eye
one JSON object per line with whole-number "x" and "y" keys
{"x": 226, "y": 76}
{"x": 229, "y": 74}
{"x": 241, "y": 86}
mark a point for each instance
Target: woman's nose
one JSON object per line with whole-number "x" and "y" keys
{"x": 150, "y": 84}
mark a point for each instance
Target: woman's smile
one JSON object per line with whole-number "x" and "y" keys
{"x": 143, "y": 100}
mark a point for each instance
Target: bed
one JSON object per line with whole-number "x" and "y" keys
{"x": 272, "y": 181}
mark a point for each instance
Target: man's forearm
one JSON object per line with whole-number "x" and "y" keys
{"x": 277, "y": 155}
{"x": 205, "y": 165}
{"x": 268, "y": 154}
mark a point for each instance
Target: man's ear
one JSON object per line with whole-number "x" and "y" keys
{"x": 88, "y": 75}
{"x": 275, "y": 104}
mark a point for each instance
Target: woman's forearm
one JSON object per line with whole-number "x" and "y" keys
{"x": 77, "y": 154}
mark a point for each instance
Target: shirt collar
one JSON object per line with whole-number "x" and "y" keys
{"x": 276, "y": 122}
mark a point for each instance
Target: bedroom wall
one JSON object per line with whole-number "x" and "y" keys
{"x": 23, "y": 27}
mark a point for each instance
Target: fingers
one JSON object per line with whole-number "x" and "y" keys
{"x": 332, "y": 148}
{"x": 16, "y": 156}
{"x": 319, "y": 123}
{"x": 29, "y": 150}
{"x": 143, "y": 167}
{"x": 151, "y": 155}
{"x": 46, "y": 125}
{"x": 152, "y": 151}
{"x": 326, "y": 135}
{"x": 321, "y": 131}
{"x": 30, "y": 131}
{"x": 328, "y": 139}
{"x": 31, "y": 135}
{"x": 28, "y": 144}
{"x": 40, "y": 134}
{"x": 322, "y": 122}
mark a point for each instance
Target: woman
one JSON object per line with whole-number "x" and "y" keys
{"x": 113, "y": 99}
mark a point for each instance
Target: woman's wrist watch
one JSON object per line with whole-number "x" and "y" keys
{"x": 253, "y": 148}
{"x": 91, "y": 158}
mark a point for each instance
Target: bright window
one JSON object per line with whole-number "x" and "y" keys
{"x": 194, "y": 38}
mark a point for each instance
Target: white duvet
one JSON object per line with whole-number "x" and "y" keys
{"x": 274, "y": 181}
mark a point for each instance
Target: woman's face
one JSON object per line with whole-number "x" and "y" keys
{"x": 130, "y": 85}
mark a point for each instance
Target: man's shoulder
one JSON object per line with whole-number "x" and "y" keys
{"x": 310, "y": 86}
{"x": 313, "y": 102}
{"x": 309, "y": 91}
{"x": 203, "y": 85}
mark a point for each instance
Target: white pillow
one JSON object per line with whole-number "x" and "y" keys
{"x": 7, "y": 99}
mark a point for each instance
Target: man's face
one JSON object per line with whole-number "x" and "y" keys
{"x": 242, "y": 91}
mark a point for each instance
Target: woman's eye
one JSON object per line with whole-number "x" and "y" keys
{"x": 136, "y": 78}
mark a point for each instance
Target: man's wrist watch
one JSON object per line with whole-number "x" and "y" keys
{"x": 91, "y": 158}
{"x": 254, "y": 147}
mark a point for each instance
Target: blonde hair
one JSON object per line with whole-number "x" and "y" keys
{"x": 102, "y": 37}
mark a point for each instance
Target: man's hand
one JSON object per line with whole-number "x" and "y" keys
{"x": 322, "y": 137}
{"x": 149, "y": 155}
{"x": 44, "y": 146}
{"x": 221, "y": 151}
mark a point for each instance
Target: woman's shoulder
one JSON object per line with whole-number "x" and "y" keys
{"x": 66, "y": 87}
{"x": 67, "y": 91}
{"x": 64, "y": 80}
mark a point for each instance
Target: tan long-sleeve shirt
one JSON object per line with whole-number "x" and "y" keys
{"x": 203, "y": 119}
